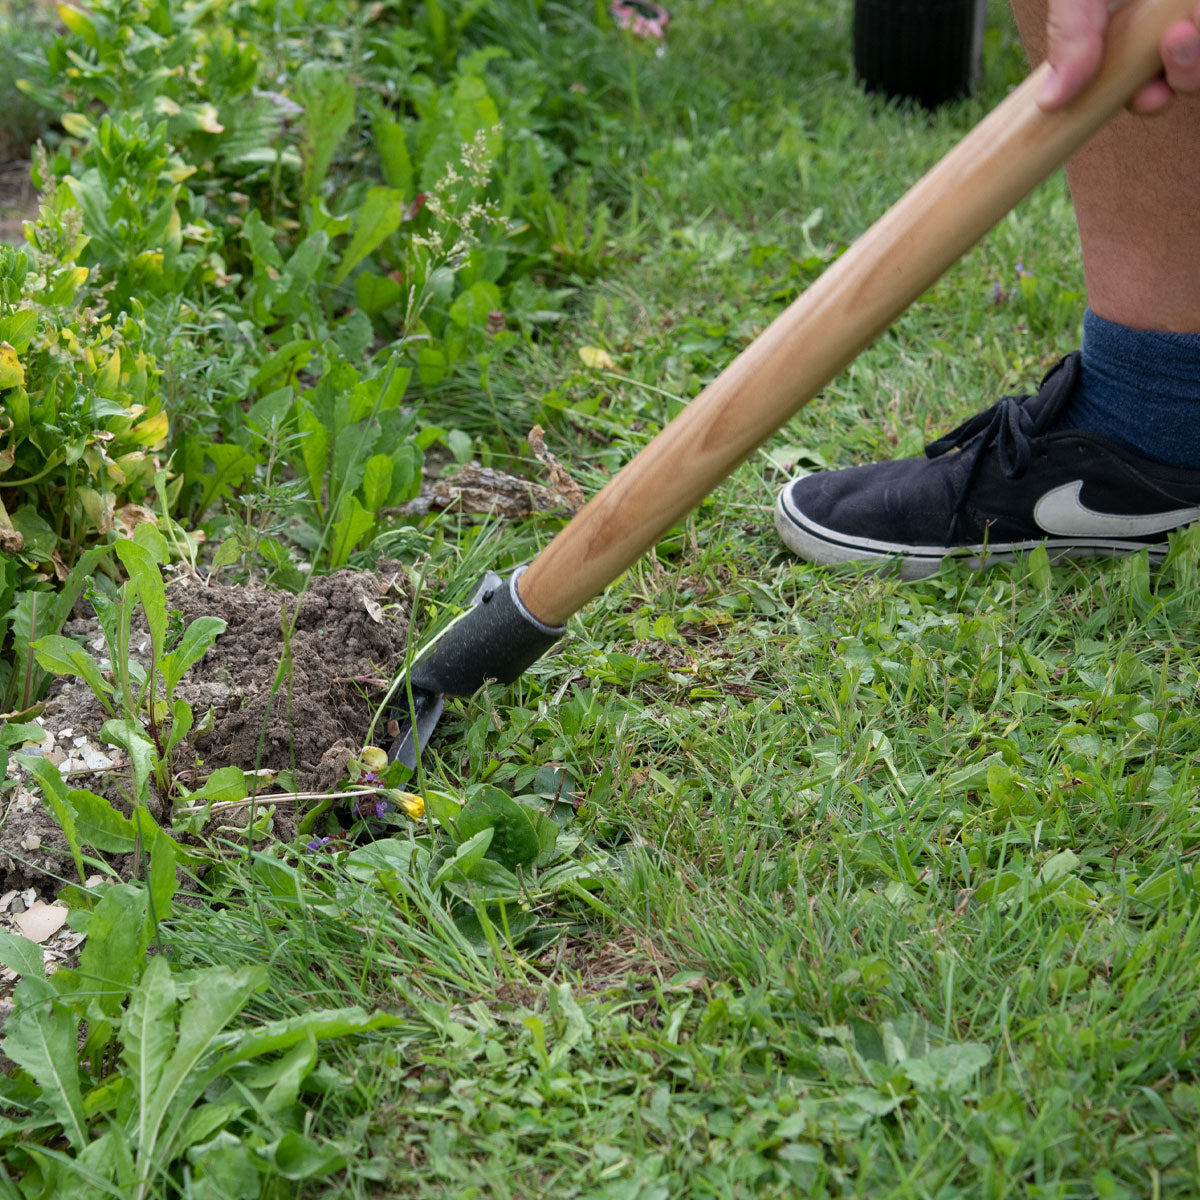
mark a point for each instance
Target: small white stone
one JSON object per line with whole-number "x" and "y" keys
{"x": 95, "y": 760}
{"x": 7, "y": 899}
{"x": 41, "y": 921}
{"x": 67, "y": 732}
{"x": 31, "y": 841}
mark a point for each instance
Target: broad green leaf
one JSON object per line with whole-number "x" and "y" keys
{"x": 516, "y": 841}
{"x": 947, "y": 1067}
{"x": 377, "y": 481}
{"x": 112, "y": 956}
{"x": 296, "y": 1157}
{"x": 147, "y": 536}
{"x": 106, "y": 1160}
{"x": 15, "y": 734}
{"x": 232, "y": 464}
{"x": 204, "y": 1121}
{"x": 55, "y": 793}
{"x": 161, "y": 876}
{"x": 376, "y": 292}
{"x": 147, "y": 581}
{"x": 106, "y": 1098}
{"x": 225, "y": 783}
{"x": 444, "y": 809}
{"x": 379, "y": 217}
{"x": 62, "y": 656}
{"x": 18, "y": 328}
{"x": 181, "y": 725}
{"x": 21, "y": 955}
{"x": 474, "y": 305}
{"x": 391, "y": 141}
{"x": 228, "y": 552}
{"x": 327, "y": 95}
{"x": 223, "y": 1168}
{"x": 385, "y": 854}
{"x": 131, "y": 737}
{"x": 217, "y": 997}
{"x": 42, "y": 1039}
{"x": 147, "y": 1036}
{"x": 275, "y": 1036}
{"x": 353, "y": 524}
{"x": 291, "y": 358}
{"x": 102, "y": 826}
{"x": 314, "y": 450}
{"x": 284, "y": 1076}
{"x": 467, "y": 855}
{"x": 1058, "y": 866}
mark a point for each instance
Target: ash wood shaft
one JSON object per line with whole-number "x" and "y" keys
{"x": 1012, "y": 150}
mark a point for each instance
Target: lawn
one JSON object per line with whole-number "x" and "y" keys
{"x": 838, "y": 885}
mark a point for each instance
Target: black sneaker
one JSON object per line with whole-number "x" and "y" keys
{"x": 1013, "y": 483}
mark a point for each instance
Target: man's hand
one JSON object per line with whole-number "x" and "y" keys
{"x": 1076, "y": 30}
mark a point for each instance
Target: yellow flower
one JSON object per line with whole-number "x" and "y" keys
{"x": 412, "y": 804}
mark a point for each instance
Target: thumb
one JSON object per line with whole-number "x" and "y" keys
{"x": 1075, "y": 44}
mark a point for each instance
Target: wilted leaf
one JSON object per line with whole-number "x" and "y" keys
{"x": 12, "y": 374}
{"x": 597, "y": 359}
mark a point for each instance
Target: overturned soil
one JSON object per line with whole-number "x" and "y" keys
{"x": 347, "y": 641}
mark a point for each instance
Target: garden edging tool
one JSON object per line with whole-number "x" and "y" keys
{"x": 512, "y": 622}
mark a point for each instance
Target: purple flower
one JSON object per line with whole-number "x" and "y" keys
{"x": 318, "y": 844}
{"x": 373, "y": 806}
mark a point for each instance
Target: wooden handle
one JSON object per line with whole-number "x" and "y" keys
{"x": 940, "y": 218}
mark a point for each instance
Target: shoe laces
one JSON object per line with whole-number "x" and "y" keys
{"x": 1007, "y": 425}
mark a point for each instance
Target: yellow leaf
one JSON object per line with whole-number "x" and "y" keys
{"x": 597, "y": 359}
{"x": 77, "y": 23}
{"x": 209, "y": 122}
{"x": 152, "y": 431}
{"x": 151, "y": 260}
{"x": 12, "y": 374}
{"x": 76, "y": 124}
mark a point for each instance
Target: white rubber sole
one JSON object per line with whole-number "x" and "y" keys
{"x": 814, "y": 542}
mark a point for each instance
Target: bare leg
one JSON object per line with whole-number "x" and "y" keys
{"x": 1136, "y": 191}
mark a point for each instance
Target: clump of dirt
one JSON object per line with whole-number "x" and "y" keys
{"x": 339, "y": 655}
{"x": 348, "y": 640}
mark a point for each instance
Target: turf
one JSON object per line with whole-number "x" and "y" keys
{"x": 897, "y": 893}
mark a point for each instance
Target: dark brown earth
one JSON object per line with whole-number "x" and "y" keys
{"x": 348, "y": 640}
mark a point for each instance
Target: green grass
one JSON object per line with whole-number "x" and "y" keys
{"x": 903, "y": 896}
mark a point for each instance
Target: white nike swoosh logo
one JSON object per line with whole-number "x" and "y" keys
{"x": 1061, "y": 512}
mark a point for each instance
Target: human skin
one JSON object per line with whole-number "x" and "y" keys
{"x": 1136, "y": 184}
